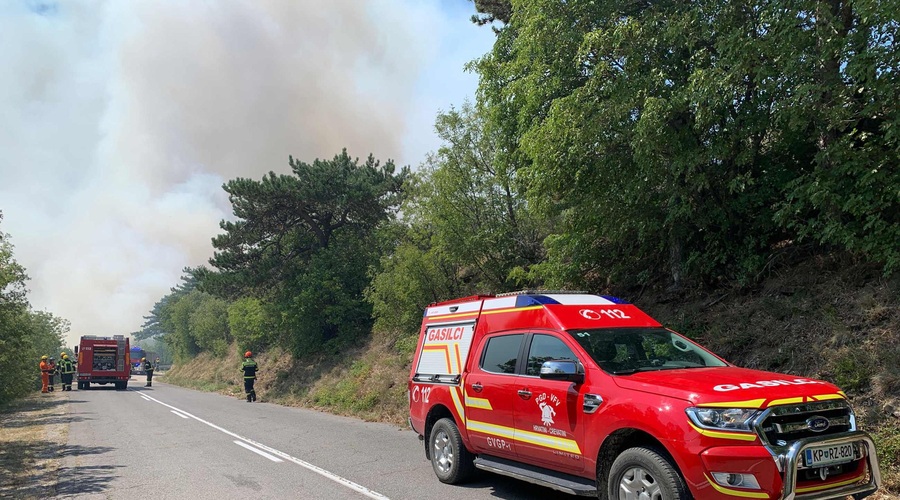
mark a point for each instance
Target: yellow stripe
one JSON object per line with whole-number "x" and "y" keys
{"x": 825, "y": 397}
{"x": 552, "y": 442}
{"x": 787, "y": 401}
{"x": 832, "y": 485}
{"x": 735, "y": 493}
{"x": 454, "y": 395}
{"x": 750, "y": 403}
{"x": 481, "y": 403}
{"x": 512, "y": 309}
{"x": 724, "y": 435}
{"x": 494, "y": 430}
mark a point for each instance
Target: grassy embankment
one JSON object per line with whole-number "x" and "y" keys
{"x": 826, "y": 319}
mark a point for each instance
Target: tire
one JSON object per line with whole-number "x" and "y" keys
{"x": 645, "y": 473}
{"x": 451, "y": 461}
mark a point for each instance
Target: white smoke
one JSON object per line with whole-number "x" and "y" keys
{"x": 120, "y": 121}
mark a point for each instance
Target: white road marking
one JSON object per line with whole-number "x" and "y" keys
{"x": 258, "y": 452}
{"x": 314, "y": 468}
{"x": 145, "y": 398}
{"x": 182, "y": 415}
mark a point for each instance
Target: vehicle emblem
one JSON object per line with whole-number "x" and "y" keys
{"x": 589, "y": 314}
{"x": 817, "y": 423}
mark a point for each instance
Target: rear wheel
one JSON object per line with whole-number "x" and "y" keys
{"x": 451, "y": 461}
{"x": 644, "y": 473}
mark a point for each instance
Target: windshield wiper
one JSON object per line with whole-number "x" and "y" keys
{"x": 629, "y": 371}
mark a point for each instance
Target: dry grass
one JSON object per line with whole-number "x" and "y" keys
{"x": 33, "y": 430}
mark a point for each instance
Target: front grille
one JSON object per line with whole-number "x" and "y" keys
{"x": 788, "y": 423}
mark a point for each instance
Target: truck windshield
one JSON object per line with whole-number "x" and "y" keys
{"x": 628, "y": 350}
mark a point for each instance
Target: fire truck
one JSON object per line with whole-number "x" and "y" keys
{"x": 103, "y": 360}
{"x": 589, "y": 395}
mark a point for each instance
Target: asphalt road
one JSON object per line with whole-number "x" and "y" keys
{"x": 170, "y": 442}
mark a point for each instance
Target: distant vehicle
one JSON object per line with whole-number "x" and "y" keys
{"x": 137, "y": 368}
{"x": 103, "y": 360}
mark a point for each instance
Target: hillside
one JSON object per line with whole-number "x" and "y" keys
{"x": 823, "y": 318}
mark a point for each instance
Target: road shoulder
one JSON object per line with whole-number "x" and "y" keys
{"x": 33, "y": 433}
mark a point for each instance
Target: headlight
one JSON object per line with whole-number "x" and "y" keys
{"x": 733, "y": 419}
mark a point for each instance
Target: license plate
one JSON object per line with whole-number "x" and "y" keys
{"x": 821, "y": 456}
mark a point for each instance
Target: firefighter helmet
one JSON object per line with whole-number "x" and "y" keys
{"x": 44, "y": 356}
{"x": 143, "y": 359}
{"x": 248, "y": 354}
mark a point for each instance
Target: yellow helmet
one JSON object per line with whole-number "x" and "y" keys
{"x": 44, "y": 356}
{"x": 143, "y": 359}
{"x": 62, "y": 354}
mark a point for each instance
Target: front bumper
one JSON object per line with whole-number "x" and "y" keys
{"x": 782, "y": 474}
{"x": 789, "y": 462}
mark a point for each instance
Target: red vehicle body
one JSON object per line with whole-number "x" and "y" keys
{"x": 103, "y": 360}
{"x": 589, "y": 395}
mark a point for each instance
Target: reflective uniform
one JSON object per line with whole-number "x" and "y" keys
{"x": 67, "y": 372}
{"x": 148, "y": 368}
{"x": 249, "y": 368}
{"x": 52, "y": 375}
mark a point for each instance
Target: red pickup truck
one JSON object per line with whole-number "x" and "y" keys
{"x": 103, "y": 360}
{"x": 589, "y": 395}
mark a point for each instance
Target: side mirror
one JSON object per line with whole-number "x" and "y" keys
{"x": 76, "y": 350}
{"x": 562, "y": 369}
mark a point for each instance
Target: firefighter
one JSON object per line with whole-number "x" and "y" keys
{"x": 52, "y": 375}
{"x": 66, "y": 370}
{"x": 249, "y": 368}
{"x": 148, "y": 369}
{"x": 45, "y": 374}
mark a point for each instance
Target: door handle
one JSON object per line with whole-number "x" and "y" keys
{"x": 477, "y": 387}
{"x": 524, "y": 393}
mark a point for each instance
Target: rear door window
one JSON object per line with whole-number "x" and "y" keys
{"x": 501, "y": 353}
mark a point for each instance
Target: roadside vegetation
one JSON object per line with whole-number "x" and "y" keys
{"x": 25, "y": 334}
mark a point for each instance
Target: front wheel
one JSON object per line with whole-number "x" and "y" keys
{"x": 451, "y": 461}
{"x": 644, "y": 473}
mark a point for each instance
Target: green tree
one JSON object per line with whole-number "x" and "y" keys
{"x": 492, "y": 10}
{"x": 176, "y": 320}
{"x": 466, "y": 229}
{"x": 666, "y": 135}
{"x": 208, "y": 324}
{"x": 153, "y": 323}
{"x": 25, "y": 335}
{"x": 250, "y": 324}
{"x": 305, "y": 243}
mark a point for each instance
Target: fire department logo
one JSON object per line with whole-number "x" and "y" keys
{"x": 547, "y": 404}
{"x": 547, "y": 413}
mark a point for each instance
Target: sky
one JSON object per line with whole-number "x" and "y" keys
{"x": 120, "y": 121}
